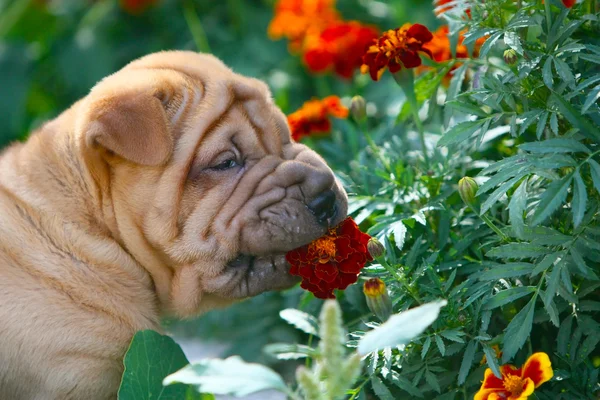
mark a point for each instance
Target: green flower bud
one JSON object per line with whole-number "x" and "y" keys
{"x": 467, "y": 189}
{"x": 378, "y": 299}
{"x": 510, "y": 56}
{"x": 358, "y": 108}
{"x": 375, "y": 248}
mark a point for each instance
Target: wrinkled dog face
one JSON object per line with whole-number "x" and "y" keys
{"x": 228, "y": 193}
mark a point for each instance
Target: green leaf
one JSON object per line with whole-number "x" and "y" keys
{"x": 301, "y": 320}
{"x": 489, "y": 43}
{"x": 557, "y": 145}
{"x": 453, "y": 334}
{"x": 511, "y": 39}
{"x": 552, "y": 282}
{"x": 467, "y": 361}
{"x": 426, "y": 346}
{"x": 400, "y": 328}
{"x": 575, "y": 118}
{"x": 458, "y": 78}
{"x": 404, "y": 384}
{"x": 546, "y": 262}
{"x": 547, "y": 72}
{"x": 516, "y": 208}
{"x": 591, "y": 98}
{"x": 550, "y": 309}
{"x": 231, "y": 376}
{"x": 492, "y": 361}
{"x": 507, "y": 296}
{"x": 503, "y": 271}
{"x": 564, "y": 335}
{"x": 498, "y": 193}
{"x": 551, "y": 199}
{"x": 287, "y": 351}
{"x": 541, "y": 125}
{"x": 517, "y": 250}
{"x": 579, "y": 202}
{"x": 381, "y": 391}
{"x": 580, "y": 262}
{"x": 149, "y": 359}
{"x": 460, "y": 132}
{"x": 564, "y": 71}
{"x": 518, "y": 330}
{"x": 432, "y": 381}
{"x": 595, "y": 171}
{"x": 440, "y": 344}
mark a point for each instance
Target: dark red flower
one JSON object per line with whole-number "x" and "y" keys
{"x": 397, "y": 48}
{"x": 569, "y": 3}
{"x": 340, "y": 47}
{"x": 136, "y": 6}
{"x": 332, "y": 261}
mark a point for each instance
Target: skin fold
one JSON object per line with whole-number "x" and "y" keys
{"x": 172, "y": 188}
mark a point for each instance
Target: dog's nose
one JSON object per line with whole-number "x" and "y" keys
{"x": 323, "y": 206}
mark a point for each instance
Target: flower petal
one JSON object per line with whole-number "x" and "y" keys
{"x": 538, "y": 368}
{"x": 489, "y": 394}
{"x": 420, "y": 32}
{"x": 410, "y": 59}
{"x": 491, "y": 381}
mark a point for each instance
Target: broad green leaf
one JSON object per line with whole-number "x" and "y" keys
{"x": 551, "y": 309}
{"x": 579, "y": 202}
{"x": 541, "y": 125}
{"x": 432, "y": 381}
{"x": 547, "y": 72}
{"x": 301, "y": 320}
{"x": 595, "y": 171}
{"x": 400, "y": 328}
{"x": 498, "y": 193}
{"x": 509, "y": 270}
{"x": 231, "y": 376}
{"x": 564, "y": 71}
{"x": 546, "y": 262}
{"x": 517, "y": 250}
{"x": 381, "y": 391}
{"x": 516, "y": 208}
{"x": 149, "y": 359}
{"x": 404, "y": 384}
{"x": 492, "y": 361}
{"x": 579, "y": 262}
{"x": 460, "y": 132}
{"x": 551, "y": 199}
{"x": 425, "y": 348}
{"x": 518, "y": 330}
{"x": 467, "y": 361}
{"x": 575, "y": 118}
{"x": 552, "y": 282}
{"x": 557, "y": 145}
{"x": 454, "y": 335}
{"x": 507, "y": 296}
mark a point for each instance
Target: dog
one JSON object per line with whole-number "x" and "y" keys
{"x": 172, "y": 188}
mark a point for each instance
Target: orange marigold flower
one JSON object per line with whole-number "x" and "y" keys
{"x": 295, "y": 19}
{"x": 332, "y": 261}
{"x": 443, "y": 6}
{"x": 313, "y": 116}
{"x": 395, "y": 49}
{"x": 516, "y": 383}
{"x": 340, "y": 47}
{"x": 136, "y": 6}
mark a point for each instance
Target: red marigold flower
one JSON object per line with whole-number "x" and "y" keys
{"x": 295, "y": 19}
{"x": 395, "y": 49}
{"x": 332, "y": 261}
{"x": 516, "y": 383}
{"x": 136, "y": 6}
{"x": 312, "y": 117}
{"x": 443, "y": 6}
{"x": 340, "y": 47}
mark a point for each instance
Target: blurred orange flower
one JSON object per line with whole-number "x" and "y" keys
{"x": 442, "y": 6}
{"x": 340, "y": 47}
{"x": 313, "y": 116}
{"x": 136, "y": 6}
{"x": 516, "y": 383}
{"x": 295, "y": 19}
{"x": 395, "y": 49}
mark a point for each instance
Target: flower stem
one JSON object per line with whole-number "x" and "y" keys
{"x": 195, "y": 27}
{"x": 489, "y": 223}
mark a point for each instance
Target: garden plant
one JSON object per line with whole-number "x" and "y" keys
{"x": 467, "y": 135}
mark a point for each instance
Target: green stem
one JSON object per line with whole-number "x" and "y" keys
{"x": 402, "y": 281}
{"x": 489, "y": 223}
{"x": 195, "y": 26}
{"x": 359, "y": 388}
{"x": 421, "y": 130}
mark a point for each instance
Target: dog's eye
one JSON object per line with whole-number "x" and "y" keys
{"x": 227, "y": 164}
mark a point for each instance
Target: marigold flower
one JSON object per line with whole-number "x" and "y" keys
{"x": 295, "y": 19}
{"x": 378, "y": 299}
{"x": 510, "y": 56}
{"x": 340, "y": 47}
{"x": 332, "y": 261}
{"x": 395, "y": 49}
{"x": 312, "y": 117}
{"x": 516, "y": 383}
{"x": 136, "y": 6}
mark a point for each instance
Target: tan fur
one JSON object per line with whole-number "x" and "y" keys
{"x": 113, "y": 215}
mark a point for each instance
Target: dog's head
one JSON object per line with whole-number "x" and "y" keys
{"x": 208, "y": 190}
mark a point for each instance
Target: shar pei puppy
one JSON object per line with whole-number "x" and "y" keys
{"x": 172, "y": 188}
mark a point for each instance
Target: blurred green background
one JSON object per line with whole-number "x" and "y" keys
{"x": 52, "y": 52}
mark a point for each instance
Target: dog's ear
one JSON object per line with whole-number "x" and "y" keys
{"x": 131, "y": 124}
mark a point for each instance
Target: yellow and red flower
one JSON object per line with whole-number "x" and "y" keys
{"x": 397, "y": 48}
{"x": 516, "y": 383}
{"x": 313, "y": 116}
{"x": 340, "y": 47}
{"x": 332, "y": 261}
{"x": 296, "y": 19}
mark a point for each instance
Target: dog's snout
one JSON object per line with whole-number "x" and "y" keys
{"x": 324, "y": 206}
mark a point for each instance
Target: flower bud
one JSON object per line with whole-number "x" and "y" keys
{"x": 358, "y": 108}
{"x": 467, "y": 189}
{"x": 375, "y": 248}
{"x": 510, "y": 56}
{"x": 378, "y": 299}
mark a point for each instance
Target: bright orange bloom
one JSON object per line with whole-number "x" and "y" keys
{"x": 516, "y": 384}
{"x": 313, "y": 116}
{"x": 441, "y": 7}
{"x": 136, "y": 6}
{"x": 395, "y": 49}
{"x": 295, "y": 19}
{"x": 340, "y": 47}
